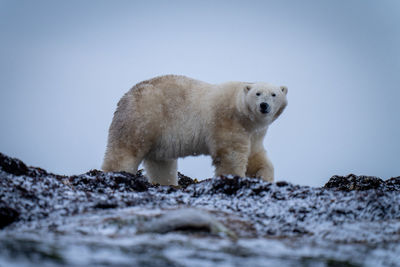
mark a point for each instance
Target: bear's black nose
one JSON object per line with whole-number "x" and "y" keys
{"x": 264, "y": 107}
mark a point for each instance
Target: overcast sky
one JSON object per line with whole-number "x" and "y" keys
{"x": 65, "y": 64}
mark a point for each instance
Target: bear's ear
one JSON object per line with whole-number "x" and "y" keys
{"x": 247, "y": 88}
{"x": 284, "y": 89}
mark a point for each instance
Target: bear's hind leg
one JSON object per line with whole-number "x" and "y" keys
{"x": 120, "y": 160}
{"x": 163, "y": 172}
{"x": 260, "y": 166}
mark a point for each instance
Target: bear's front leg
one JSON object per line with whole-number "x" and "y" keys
{"x": 260, "y": 166}
{"x": 231, "y": 159}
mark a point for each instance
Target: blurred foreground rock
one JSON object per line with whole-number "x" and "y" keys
{"x": 120, "y": 219}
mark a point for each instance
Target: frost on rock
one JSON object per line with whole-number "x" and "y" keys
{"x": 184, "y": 219}
{"x": 99, "y": 218}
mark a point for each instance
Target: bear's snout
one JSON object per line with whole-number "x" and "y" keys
{"x": 265, "y": 108}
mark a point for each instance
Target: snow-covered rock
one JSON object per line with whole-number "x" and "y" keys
{"x": 101, "y": 218}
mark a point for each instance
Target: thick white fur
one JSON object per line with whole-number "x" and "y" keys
{"x": 168, "y": 117}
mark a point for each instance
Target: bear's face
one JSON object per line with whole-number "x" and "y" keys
{"x": 265, "y": 101}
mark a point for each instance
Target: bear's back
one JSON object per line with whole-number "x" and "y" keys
{"x": 168, "y": 82}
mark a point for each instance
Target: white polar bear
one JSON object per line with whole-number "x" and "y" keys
{"x": 167, "y": 117}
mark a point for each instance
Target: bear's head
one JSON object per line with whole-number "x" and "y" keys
{"x": 264, "y": 101}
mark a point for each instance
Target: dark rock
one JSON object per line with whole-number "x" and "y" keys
{"x": 278, "y": 195}
{"x": 231, "y": 186}
{"x": 354, "y": 182}
{"x": 13, "y": 165}
{"x": 393, "y": 183}
{"x": 282, "y": 183}
{"x": 225, "y": 185}
{"x": 17, "y": 167}
{"x": 7, "y": 215}
{"x": 184, "y": 181}
{"x": 98, "y": 181}
{"x": 106, "y": 205}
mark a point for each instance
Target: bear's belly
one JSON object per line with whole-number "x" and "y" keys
{"x": 172, "y": 145}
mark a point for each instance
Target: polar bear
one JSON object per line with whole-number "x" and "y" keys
{"x": 172, "y": 116}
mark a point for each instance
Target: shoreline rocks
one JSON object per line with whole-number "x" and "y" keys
{"x": 360, "y": 212}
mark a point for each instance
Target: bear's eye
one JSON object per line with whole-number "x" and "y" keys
{"x": 273, "y": 94}
{"x": 258, "y": 94}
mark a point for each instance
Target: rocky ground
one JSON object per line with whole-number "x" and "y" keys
{"x": 120, "y": 219}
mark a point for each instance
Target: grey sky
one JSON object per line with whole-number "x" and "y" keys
{"x": 65, "y": 64}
